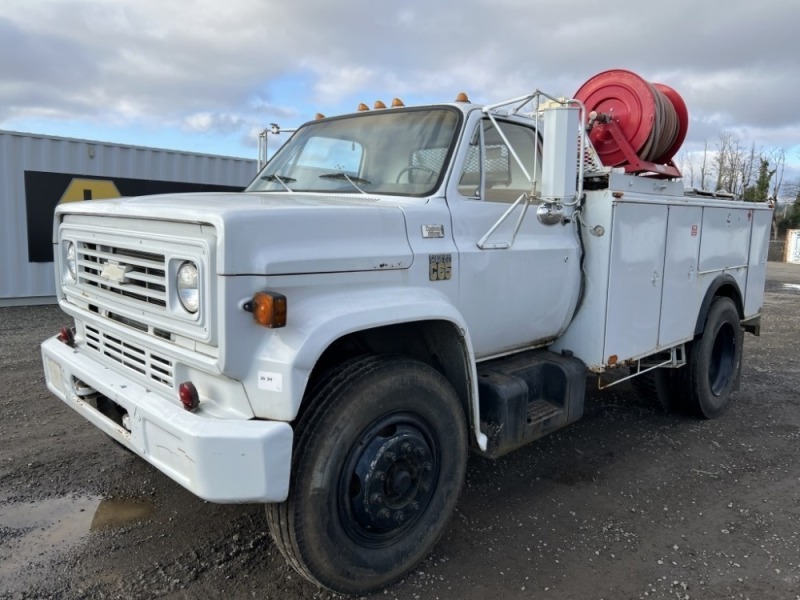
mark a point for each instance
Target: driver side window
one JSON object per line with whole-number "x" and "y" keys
{"x": 503, "y": 179}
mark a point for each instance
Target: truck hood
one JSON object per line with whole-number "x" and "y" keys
{"x": 278, "y": 233}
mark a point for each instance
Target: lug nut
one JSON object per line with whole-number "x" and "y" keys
{"x": 376, "y": 499}
{"x": 406, "y": 447}
{"x": 399, "y": 517}
{"x": 415, "y": 506}
{"x": 384, "y": 514}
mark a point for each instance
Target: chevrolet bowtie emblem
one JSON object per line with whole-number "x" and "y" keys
{"x": 115, "y": 272}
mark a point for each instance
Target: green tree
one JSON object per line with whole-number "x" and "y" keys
{"x": 793, "y": 218}
{"x": 790, "y": 215}
{"x": 760, "y": 190}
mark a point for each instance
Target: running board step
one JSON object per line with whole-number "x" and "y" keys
{"x": 527, "y": 396}
{"x": 541, "y": 410}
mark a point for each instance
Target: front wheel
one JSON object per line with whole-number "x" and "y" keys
{"x": 713, "y": 362}
{"x": 379, "y": 460}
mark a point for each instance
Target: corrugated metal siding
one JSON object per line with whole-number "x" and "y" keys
{"x": 20, "y": 152}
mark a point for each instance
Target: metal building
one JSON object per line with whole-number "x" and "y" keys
{"x": 37, "y": 172}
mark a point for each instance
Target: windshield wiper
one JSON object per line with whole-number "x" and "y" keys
{"x": 282, "y": 179}
{"x": 352, "y": 180}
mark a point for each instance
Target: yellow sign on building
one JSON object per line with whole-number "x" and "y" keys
{"x": 89, "y": 189}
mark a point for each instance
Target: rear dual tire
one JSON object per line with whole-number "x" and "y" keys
{"x": 704, "y": 386}
{"x": 714, "y": 361}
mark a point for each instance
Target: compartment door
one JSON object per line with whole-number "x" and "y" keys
{"x": 680, "y": 302}
{"x": 636, "y": 275}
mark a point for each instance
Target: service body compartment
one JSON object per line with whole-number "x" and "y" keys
{"x": 651, "y": 255}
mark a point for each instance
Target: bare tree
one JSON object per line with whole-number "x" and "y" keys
{"x": 778, "y": 157}
{"x": 684, "y": 163}
{"x": 721, "y": 160}
{"x": 747, "y": 168}
{"x": 704, "y": 166}
{"x": 726, "y": 162}
{"x": 733, "y": 166}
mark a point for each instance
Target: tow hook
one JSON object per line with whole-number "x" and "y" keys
{"x": 67, "y": 335}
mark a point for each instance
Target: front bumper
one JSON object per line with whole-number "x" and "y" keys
{"x": 219, "y": 460}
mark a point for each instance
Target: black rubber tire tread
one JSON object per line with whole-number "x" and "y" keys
{"x": 694, "y": 383}
{"x": 661, "y": 388}
{"x": 646, "y": 388}
{"x": 323, "y": 404}
{"x": 279, "y": 516}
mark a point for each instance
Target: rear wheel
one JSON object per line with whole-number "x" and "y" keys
{"x": 713, "y": 362}
{"x": 379, "y": 460}
{"x": 659, "y": 388}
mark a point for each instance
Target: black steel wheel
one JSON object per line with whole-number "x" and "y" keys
{"x": 714, "y": 360}
{"x": 379, "y": 460}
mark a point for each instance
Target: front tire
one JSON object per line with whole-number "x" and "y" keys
{"x": 379, "y": 461}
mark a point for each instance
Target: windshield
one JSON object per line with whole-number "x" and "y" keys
{"x": 391, "y": 151}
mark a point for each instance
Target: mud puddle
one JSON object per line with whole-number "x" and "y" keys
{"x": 34, "y": 532}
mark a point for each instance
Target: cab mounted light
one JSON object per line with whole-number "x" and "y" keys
{"x": 268, "y": 308}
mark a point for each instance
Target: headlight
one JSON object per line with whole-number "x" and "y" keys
{"x": 72, "y": 261}
{"x": 186, "y": 281}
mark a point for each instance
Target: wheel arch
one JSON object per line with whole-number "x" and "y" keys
{"x": 439, "y": 343}
{"x": 723, "y": 286}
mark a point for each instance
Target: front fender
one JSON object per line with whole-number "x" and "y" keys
{"x": 286, "y": 356}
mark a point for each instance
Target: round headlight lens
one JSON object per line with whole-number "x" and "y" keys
{"x": 72, "y": 261}
{"x": 188, "y": 292}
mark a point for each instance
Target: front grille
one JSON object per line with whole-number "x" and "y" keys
{"x": 125, "y": 279}
{"x": 136, "y": 358}
{"x": 134, "y": 274}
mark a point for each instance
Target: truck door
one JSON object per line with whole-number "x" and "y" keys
{"x": 515, "y": 291}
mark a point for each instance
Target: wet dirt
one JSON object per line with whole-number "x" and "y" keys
{"x": 37, "y": 531}
{"x": 627, "y": 503}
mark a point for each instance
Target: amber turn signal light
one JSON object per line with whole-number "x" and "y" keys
{"x": 269, "y": 309}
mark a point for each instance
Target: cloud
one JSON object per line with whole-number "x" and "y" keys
{"x": 230, "y": 67}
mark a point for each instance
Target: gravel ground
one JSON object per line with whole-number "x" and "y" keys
{"x": 627, "y": 503}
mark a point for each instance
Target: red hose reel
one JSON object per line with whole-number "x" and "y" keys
{"x": 633, "y": 123}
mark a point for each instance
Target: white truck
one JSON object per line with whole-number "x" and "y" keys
{"x": 396, "y": 287}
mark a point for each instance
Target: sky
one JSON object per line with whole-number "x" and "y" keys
{"x": 208, "y": 75}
